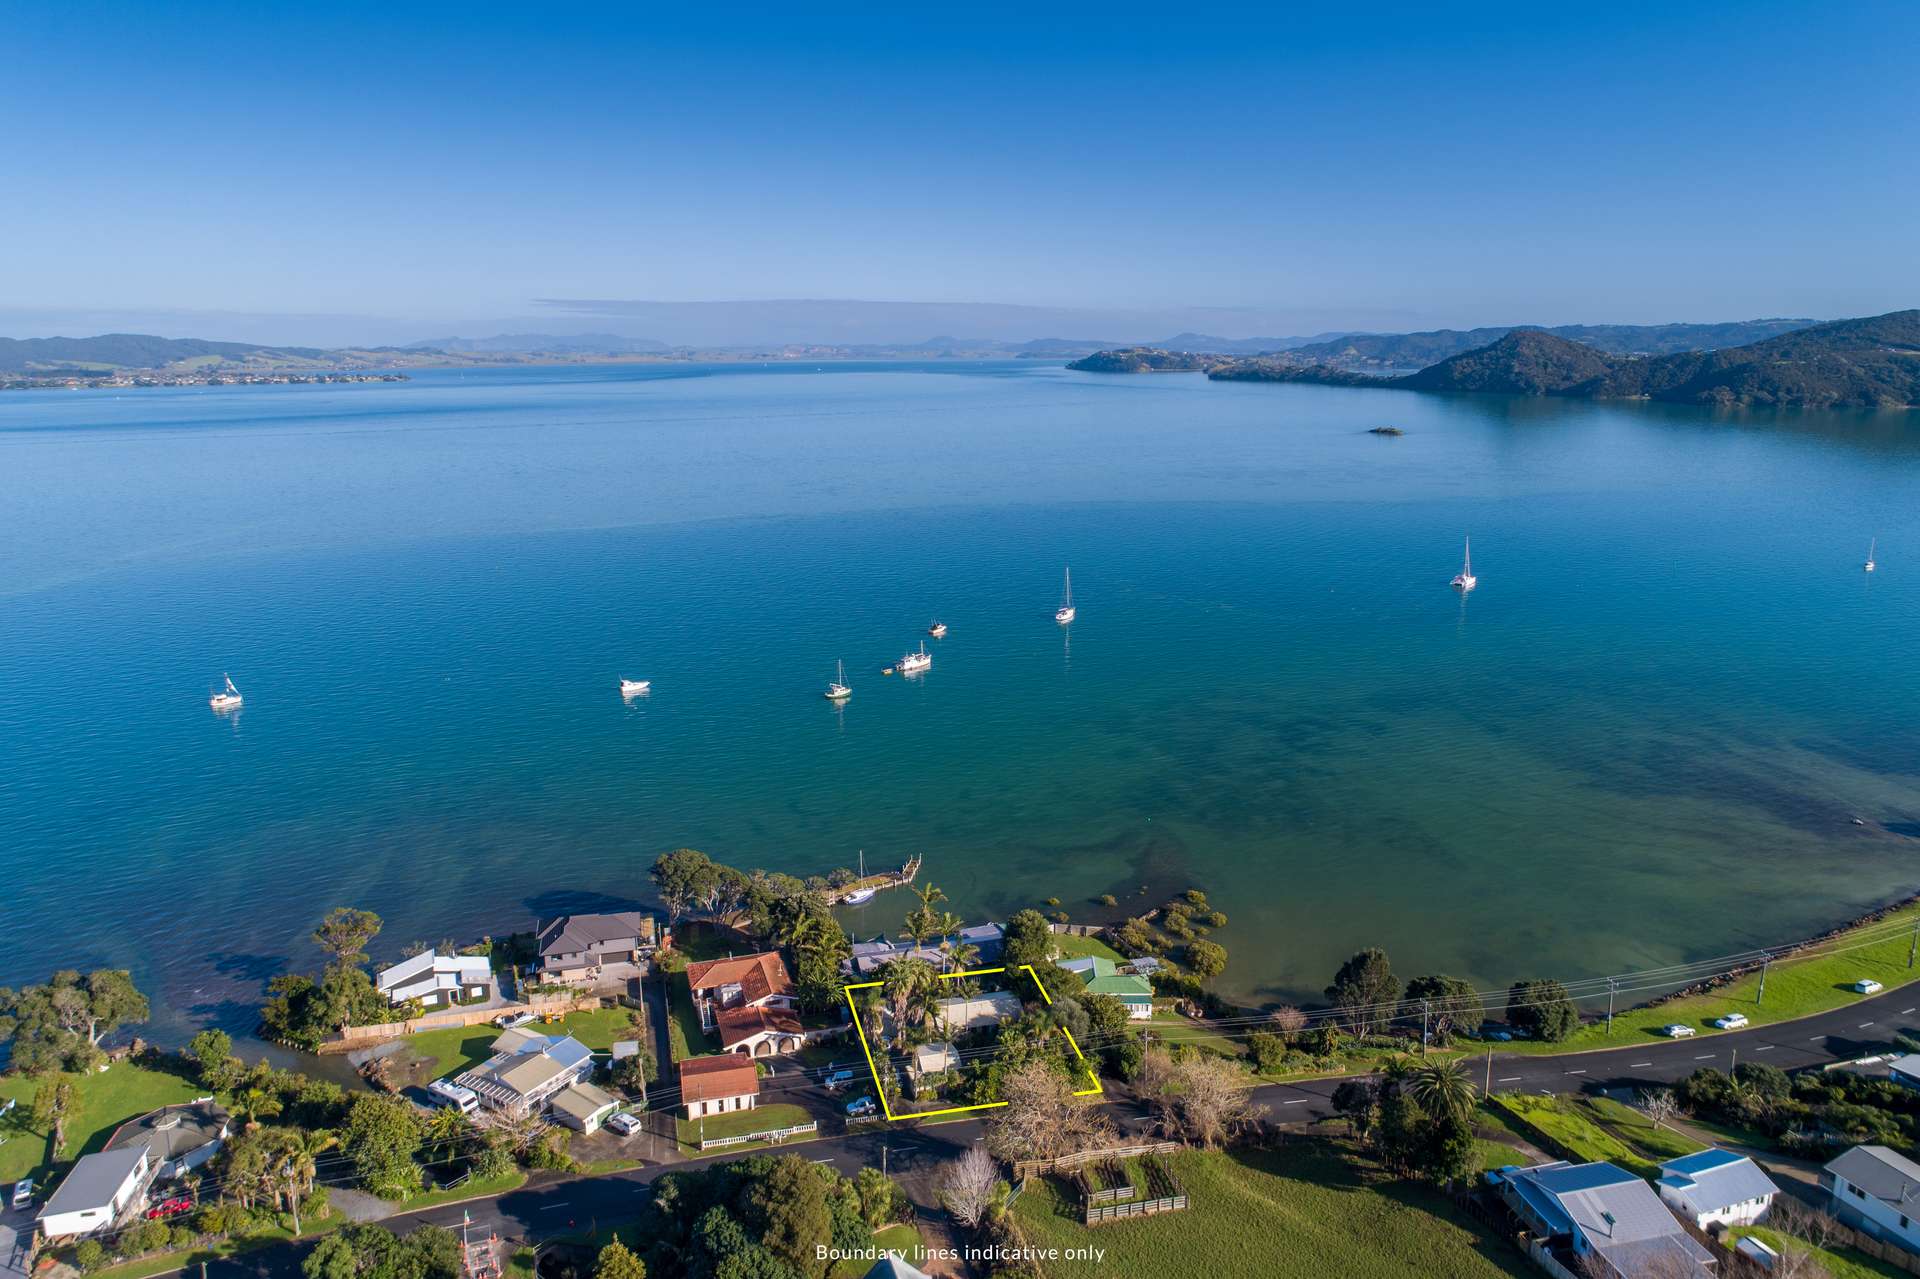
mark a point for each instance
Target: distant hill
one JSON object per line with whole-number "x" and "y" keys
{"x": 130, "y": 351}
{"x": 537, "y": 343}
{"x": 1144, "y": 359}
{"x": 1864, "y": 363}
{"x": 1522, "y": 362}
{"x": 1391, "y": 351}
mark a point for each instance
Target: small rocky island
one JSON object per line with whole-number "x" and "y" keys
{"x": 1147, "y": 359}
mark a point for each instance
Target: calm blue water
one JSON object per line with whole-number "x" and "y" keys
{"x": 1643, "y": 738}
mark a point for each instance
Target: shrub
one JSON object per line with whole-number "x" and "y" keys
{"x": 89, "y": 1255}
{"x": 1108, "y": 899}
{"x": 1269, "y": 1052}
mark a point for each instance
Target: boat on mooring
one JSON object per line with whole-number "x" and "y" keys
{"x": 1872, "y": 544}
{"x": 938, "y": 630}
{"x": 1065, "y": 613}
{"x": 1464, "y": 580}
{"x": 860, "y": 896}
{"x": 228, "y": 698}
{"x": 914, "y": 663}
{"x": 839, "y": 690}
{"x": 634, "y": 687}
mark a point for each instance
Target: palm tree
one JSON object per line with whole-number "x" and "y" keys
{"x": 1443, "y": 1087}
{"x": 303, "y": 1148}
{"x": 909, "y": 985}
{"x": 923, "y": 921}
{"x": 256, "y": 1104}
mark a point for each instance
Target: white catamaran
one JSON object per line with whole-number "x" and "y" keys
{"x": 227, "y": 698}
{"x": 1464, "y": 580}
{"x": 838, "y": 691}
{"x": 1065, "y": 612}
{"x": 1872, "y": 543}
{"x": 914, "y": 663}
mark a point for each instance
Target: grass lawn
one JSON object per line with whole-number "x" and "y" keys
{"x": 738, "y": 1123}
{"x": 457, "y": 1048}
{"x": 1172, "y": 1028}
{"x": 1069, "y": 946}
{"x": 1629, "y": 1125}
{"x": 1580, "y": 1138}
{"x": 103, "y": 1102}
{"x": 685, "y": 1038}
{"x": 1840, "y": 1263}
{"x": 1301, "y": 1212}
{"x": 1795, "y": 988}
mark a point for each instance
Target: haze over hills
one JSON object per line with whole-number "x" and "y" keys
{"x": 1871, "y": 362}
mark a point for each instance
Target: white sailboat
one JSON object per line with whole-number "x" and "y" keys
{"x": 1065, "y": 612}
{"x": 914, "y": 663}
{"x": 860, "y": 895}
{"x": 226, "y": 699}
{"x": 634, "y": 687}
{"x": 838, "y": 691}
{"x": 1871, "y": 544}
{"x": 1464, "y": 580}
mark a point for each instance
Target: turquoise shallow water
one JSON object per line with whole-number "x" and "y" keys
{"x": 1644, "y": 738}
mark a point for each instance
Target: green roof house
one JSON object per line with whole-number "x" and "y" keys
{"x": 1135, "y": 992}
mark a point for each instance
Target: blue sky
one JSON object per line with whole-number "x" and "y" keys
{"x": 405, "y": 169}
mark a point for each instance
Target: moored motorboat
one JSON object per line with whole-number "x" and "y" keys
{"x": 226, "y": 699}
{"x": 914, "y": 663}
{"x": 634, "y": 687}
{"x": 938, "y": 630}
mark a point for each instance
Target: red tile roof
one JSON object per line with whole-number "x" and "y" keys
{"x": 737, "y": 1024}
{"x": 758, "y": 976}
{"x": 705, "y": 1078}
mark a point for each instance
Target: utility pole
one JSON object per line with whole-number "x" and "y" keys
{"x": 1915, "y": 943}
{"x": 1489, "y": 1088}
{"x": 1425, "y": 1005}
{"x": 883, "y": 1158}
{"x": 293, "y": 1200}
{"x": 1612, "y": 985}
{"x": 1766, "y": 957}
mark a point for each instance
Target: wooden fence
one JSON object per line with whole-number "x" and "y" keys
{"x": 352, "y": 1037}
{"x": 1024, "y": 1168}
{"x": 1117, "y": 1202}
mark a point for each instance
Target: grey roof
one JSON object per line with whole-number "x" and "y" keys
{"x": 583, "y": 1101}
{"x": 573, "y": 933}
{"x": 626, "y": 1048}
{"x": 173, "y": 1131}
{"x": 1908, "y": 1065}
{"x": 893, "y": 1266}
{"x": 1880, "y": 1172}
{"x": 1715, "y": 1179}
{"x": 94, "y": 1181}
{"x": 1617, "y": 1213}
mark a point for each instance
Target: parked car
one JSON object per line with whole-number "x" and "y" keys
{"x": 508, "y": 1021}
{"x": 861, "y": 1107}
{"x": 1678, "y": 1030}
{"x": 23, "y": 1192}
{"x": 169, "y": 1208}
{"x": 624, "y": 1123}
{"x": 1731, "y": 1021}
{"x": 442, "y": 1092}
{"x": 1866, "y": 986}
{"x": 1498, "y": 1036}
{"x": 835, "y": 1080}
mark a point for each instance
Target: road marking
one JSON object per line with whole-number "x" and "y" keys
{"x": 1905, "y": 1011}
{"x": 1638, "y": 1064}
{"x": 1508, "y": 1079}
{"x": 1704, "y": 1057}
{"x": 1297, "y": 1101}
{"x": 1814, "y": 1039}
{"x": 554, "y": 1207}
{"x": 1576, "y": 1072}
{"x": 1865, "y": 1024}
{"x": 1764, "y": 1048}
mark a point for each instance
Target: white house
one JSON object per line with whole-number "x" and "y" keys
{"x": 1602, "y": 1218}
{"x": 527, "y": 1070}
{"x": 1877, "y": 1192}
{"x": 437, "y": 980}
{"x": 1716, "y": 1187}
{"x": 718, "y": 1085}
{"x": 933, "y": 1058}
{"x": 101, "y": 1190}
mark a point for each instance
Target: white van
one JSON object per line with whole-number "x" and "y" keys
{"x": 461, "y": 1099}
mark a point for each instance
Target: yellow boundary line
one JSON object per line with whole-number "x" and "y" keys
{"x": 873, "y": 1069}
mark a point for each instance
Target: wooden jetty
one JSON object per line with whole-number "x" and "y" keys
{"x": 896, "y": 879}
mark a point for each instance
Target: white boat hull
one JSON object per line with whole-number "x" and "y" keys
{"x": 223, "y": 702}
{"x": 859, "y": 898}
{"x": 1464, "y": 583}
{"x": 838, "y": 693}
{"x": 1065, "y": 615}
{"x": 634, "y": 687}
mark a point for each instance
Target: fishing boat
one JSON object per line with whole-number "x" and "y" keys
{"x": 913, "y": 663}
{"x": 634, "y": 687}
{"x": 226, "y": 699}
{"x": 1871, "y": 544}
{"x": 1464, "y": 580}
{"x": 1065, "y": 612}
{"x": 839, "y": 691}
{"x": 938, "y": 630}
{"x": 860, "y": 896}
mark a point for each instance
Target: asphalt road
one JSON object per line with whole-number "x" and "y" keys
{"x": 561, "y": 1206}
